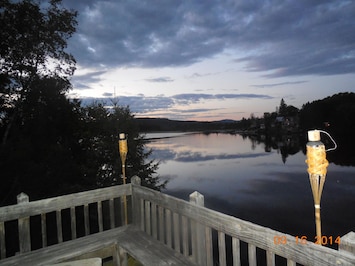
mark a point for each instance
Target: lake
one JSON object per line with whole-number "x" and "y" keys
{"x": 249, "y": 178}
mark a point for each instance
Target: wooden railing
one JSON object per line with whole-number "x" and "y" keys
{"x": 54, "y": 220}
{"x": 209, "y": 237}
{"x": 205, "y": 236}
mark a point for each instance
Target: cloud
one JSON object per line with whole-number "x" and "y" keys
{"x": 287, "y": 38}
{"x": 160, "y": 79}
{"x": 189, "y": 156}
{"x": 188, "y": 98}
{"x": 137, "y": 104}
{"x": 199, "y": 75}
{"x": 166, "y": 106}
{"x": 80, "y": 81}
{"x": 199, "y": 157}
{"x": 278, "y": 84}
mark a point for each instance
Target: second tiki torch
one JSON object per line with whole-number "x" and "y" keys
{"x": 317, "y": 169}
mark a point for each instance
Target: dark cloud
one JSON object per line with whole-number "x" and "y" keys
{"x": 81, "y": 81}
{"x": 287, "y": 37}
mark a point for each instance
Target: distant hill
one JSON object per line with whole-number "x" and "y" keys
{"x": 164, "y": 124}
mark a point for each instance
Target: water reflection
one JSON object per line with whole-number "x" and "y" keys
{"x": 257, "y": 179}
{"x": 285, "y": 145}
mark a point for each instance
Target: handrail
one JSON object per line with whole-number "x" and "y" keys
{"x": 188, "y": 228}
{"x": 256, "y": 236}
{"x": 72, "y": 212}
{"x": 33, "y": 208}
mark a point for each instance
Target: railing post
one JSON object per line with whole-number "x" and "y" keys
{"x": 135, "y": 181}
{"x": 347, "y": 243}
{"x": 24, "y": 226}
{"x": 198, "y": 232}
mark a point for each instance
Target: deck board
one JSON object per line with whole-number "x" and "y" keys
{"x": 138, "y": 244}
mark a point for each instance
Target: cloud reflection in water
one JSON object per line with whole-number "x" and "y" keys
{"x": 238, "y": 177}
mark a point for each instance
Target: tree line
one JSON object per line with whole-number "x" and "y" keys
{"x": 334, "y": 114}
{"x": 50, "y": 144}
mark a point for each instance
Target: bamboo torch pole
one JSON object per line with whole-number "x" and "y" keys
{"x": 123, "y": 148}
{"x": 317, "y": 170}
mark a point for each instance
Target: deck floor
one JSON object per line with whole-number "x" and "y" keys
{"x": 115, "y": 242}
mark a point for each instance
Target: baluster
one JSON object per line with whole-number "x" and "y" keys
{"x": 148, "y": 228}
{"x": 112, "y": 214}
{"x": 222, "y": 248}
{"x": 270, "y": 258}
{"x": 86, "y": 219}
{"x": 161, "y": 224}
{"x": 209, "y": 246}
{"x": 44, "y": 229}
{"x": 136, "y": 202}
{"x": 59, "y": 226}
{"x": 252, "y": 254}
{"x": 99, "y": 214}
{"x": 236, "y": 251}
{"x": 185, "y": 237}
{"x": 169, "y": 232}
{"x": 142, "y": 211}
{"x": 2, "y": 241}
{"x": 154, "y": 221}
{"x": 176, "y": 227}
{"x": 291, "y": 263}
{"x": 73, "y": 222}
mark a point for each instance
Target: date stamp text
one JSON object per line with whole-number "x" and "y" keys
{"x": 323, "y": 240}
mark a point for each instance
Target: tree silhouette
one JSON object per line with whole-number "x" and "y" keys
{"x": 52, "y": 145}
{"x": 33, "y": 43}
{"x": 102, "y": 128}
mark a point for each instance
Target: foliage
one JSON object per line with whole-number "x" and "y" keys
{"x": 102, "y": 127}
{"x": 37, "y": 122}
{"x": 33, "y": 41}
{"x": 41, "y": 154}
{"x": 52, "y": 145}
{"x": 32, "y": 47}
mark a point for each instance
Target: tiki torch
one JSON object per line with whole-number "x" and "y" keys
{"x": 317, "y": 170}
{"x": 123, "y": 149}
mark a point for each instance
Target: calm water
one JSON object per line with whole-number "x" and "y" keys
{"x": 267, "y": 185}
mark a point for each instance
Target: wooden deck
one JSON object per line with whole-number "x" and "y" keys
{"x": 115, "y": 243}
{"x": 162, "y": 230}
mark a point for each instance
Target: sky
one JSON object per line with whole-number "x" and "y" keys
{"x": 211, "y": 60}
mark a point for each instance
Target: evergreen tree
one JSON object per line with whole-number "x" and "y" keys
{"x": 282, "y": 108}
{"x": 102, "y": 129}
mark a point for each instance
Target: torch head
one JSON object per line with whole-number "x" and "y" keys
{"x": 122, "y": 146}
{"x": 314, "y": 135}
